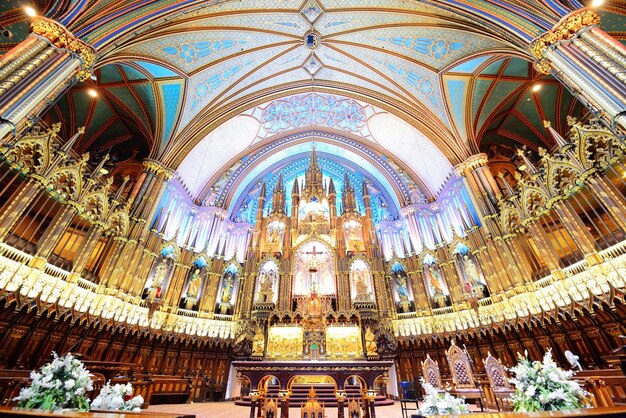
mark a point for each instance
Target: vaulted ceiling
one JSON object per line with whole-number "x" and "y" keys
{"x": 171, "y": 72}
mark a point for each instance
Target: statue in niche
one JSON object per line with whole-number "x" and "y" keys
{"x": 228, "y": 289}
{"x": 475, "y": 280}
{"x": 266, "y": 288}
{"x": 362, "y": 290}
{"x": 415, "y": 194}
{"x": 194, "y": 285}
{"x": 157, "y": 283}
{"x": 472, "y": 271}
{"x": 370, "y": 342}
{"x": 403, "y": 291}
{"x": 435, "y": 280}
{"x": 258, "y": 343}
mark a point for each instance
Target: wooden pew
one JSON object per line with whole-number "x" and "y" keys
{"x": 608, "y": 386}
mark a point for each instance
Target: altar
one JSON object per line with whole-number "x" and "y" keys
{"x": 286, "y": 372}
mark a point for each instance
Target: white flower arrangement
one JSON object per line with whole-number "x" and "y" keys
{"x": 441, "y": 403}
{"x": 63, "y": 383}
{"x": 117, "y": 398}
{"x": 544, "y": 386}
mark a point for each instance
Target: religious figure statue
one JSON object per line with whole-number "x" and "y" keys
{"x": 194, "y": 285}
{"x": 435, "y": 280}
{"x": 370, "y": 342}
{"x": 415, "y": 195}
{"x": 228, "y": 289}
{"x": 157, "y": 283}
{"x": 403, "y": 292}
{"x": 472, "y": 271}
{"x": 266, "y": 291}
{"x": 258, "y": 343}
{"x": 361, "y": 286}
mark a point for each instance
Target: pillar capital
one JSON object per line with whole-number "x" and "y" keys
{"x": 471, "y": 163}
{"x": 158, "y": 168}
{"x": 567, "y": 28}
{"x": 61, "y": 37}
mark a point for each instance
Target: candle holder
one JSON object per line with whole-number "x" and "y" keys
{"x": 284, "y": 395}
{"x": 341, "y": 396}
{"x": 254, "y": 397}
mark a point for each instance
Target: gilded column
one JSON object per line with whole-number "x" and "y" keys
{"x": 588, "y": 61}
{"x": 55, "y": 230}
{"x": 38, "y": 70}
{"x": 84, "y": 252}
{"x": 17, "y": 205}
{"x": 576, "y": 228}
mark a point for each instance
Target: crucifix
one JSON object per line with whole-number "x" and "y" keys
{"x": 313, "y": 259}
{"x": 313, "y": 268}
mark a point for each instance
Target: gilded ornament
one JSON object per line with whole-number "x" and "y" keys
{"x": 61, "y": 37}
{"x": 566, "y": 29}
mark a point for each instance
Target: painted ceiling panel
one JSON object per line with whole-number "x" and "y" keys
{"x": 146, "y": 94}
{"x": 421, "y": 83}
{"x": 434, "y": 47}
{"x": 328, "y": 74}
{"x": 189, "y": 51}
{"x": 206, "y": 85}
{"x": 480, "y": 88}
{"x": 82, "y": 103}
{"x": 528, "y": 108}
{"x": 281, "y": 63}
{"x": 469, "y": 66}
{"x": 286, "y": 78}
{"x": 157, "y": 71}
{"x": 499, "y": 93}
{"x": 548, "y": 99}
{"x": 110, "y": 74}
{"x": 171, "y": 97}
{"x": 133, "y": 74}
{"x": 129, "y": 100}
{"x": 291, "y": 23}
{"x": 101, "y": 114}
{"x": 516, "y": 126}
{"x": 517, "y": 68}
{"x": 493, "y": 68}
{"x": 456, "y": 92}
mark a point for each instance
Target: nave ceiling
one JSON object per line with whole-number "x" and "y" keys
{"x": 170, "y": 74}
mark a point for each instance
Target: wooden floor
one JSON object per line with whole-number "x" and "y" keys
{"x": 230, "y": 410}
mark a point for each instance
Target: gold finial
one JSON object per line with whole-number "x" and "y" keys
{"x": 81, "y": 130}
{"x": 547, "y": 124}
{"x": 542, "y": 152}
{"x": 520, "y": 152}
{"x": 571, "y": 121}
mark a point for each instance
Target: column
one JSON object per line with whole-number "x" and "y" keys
{"x": 576, "y": 228}
{"x": 479, "y": 183}
{"x": 38, "y": 70}
{"x": 55, "y": 230}
{"x": 17, "y": 205}
{"x": 84, "y": 253}
{"x": 588, "y": 61}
